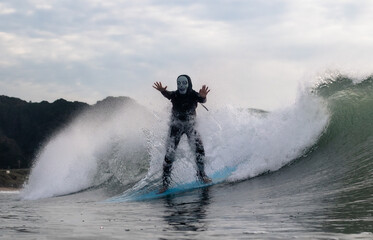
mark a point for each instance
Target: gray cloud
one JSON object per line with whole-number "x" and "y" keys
{"x": 97, "y": 48}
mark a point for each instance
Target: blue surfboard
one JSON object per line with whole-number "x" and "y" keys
{"x": 217, "y": 177}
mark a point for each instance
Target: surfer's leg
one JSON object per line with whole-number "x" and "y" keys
{"x": 200, "y": 160}
{"x": 173, "y": 142}
{"x": 196, "y": 143}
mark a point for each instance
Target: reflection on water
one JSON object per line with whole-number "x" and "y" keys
{"x": 187, "y": 215}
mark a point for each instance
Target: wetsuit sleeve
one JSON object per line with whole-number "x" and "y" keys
{"x": 167, "y": 94}
{"x": 200, "y": 99}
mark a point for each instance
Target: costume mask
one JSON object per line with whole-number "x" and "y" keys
{"x": 182, "y": 84}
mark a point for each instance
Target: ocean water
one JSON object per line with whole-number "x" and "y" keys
{"x": 303, "y": 171}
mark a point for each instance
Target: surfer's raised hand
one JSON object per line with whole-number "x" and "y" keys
{"x": 159, "y": 87}
{"x": 204, "y": 91}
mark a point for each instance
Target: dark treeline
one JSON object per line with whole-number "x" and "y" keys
{"x": 25, "y": 125}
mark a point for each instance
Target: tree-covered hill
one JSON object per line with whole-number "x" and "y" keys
{"x": 25, "y": 125}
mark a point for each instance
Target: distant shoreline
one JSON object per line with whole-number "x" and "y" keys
{"x": 4, "y": 189}
{"x": 13, "y": 179}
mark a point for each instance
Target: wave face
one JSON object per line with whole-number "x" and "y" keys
{"x": 328, "y": 128}
{"x": 349, "y": 137}
{"x": 342, "y": 159}
{"x": 351, "y": 122}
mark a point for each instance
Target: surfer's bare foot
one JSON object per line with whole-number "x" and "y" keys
{"x": 162, "y": 190}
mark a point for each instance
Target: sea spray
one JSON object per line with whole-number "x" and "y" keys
{"x": 99, "y": 144}
{"x": 258, "y": 142}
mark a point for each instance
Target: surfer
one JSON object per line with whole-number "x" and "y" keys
{"x": 184, "y": 103}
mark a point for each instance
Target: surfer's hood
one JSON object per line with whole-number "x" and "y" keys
{"x": 190, "y": 85}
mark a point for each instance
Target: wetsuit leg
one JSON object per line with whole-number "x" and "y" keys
{"x": 173, "y": 141}
{"x": 196, "y": 143}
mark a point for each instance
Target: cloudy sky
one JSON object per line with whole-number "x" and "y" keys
{"x": 252, "y": 53}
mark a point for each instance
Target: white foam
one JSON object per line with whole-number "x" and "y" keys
{"x": 258, "y": 143}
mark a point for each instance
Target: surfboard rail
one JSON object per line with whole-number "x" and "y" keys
{"x": 143, "y": 195}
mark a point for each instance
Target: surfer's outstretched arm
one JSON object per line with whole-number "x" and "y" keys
{"x": 165, "y": 93}
{"x": 204, "y": 91}
{"x": 202, "y": 94}
{"x": 159, "y": 87}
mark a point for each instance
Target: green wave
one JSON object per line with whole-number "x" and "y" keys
{"x": 351, "y": 107}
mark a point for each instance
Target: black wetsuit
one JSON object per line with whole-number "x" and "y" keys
{"x": 183, "y": 121}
